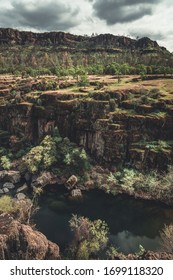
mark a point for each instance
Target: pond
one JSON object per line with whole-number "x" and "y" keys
{"x": 131, "y": 222}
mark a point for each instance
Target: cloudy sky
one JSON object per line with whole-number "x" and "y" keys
{"x": 134, "y": 18}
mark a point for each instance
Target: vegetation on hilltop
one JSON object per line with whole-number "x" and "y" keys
{"x": 63, "y": 53}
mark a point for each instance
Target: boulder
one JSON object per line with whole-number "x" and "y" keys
{"x": 76, "y": 193}
{"x": 27, "y": 177}
{"x": 1, "y": 191}
{"x": 8, "y": 185}
{"x": 20, "y": 196}
{"x": 89, "y": 184}
{"x": 21, "y": 242}
{"x": 12, "y": 176}
{"x": 23, "y": 188}
{"x": 45, "y": 178}
{"x": 71, "y": 182}
{"x": 5, "y": 190}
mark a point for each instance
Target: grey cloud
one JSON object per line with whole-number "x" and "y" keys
{"x": 121, "y": 11}
{"x": 152, "y": 35}
{"x": 51, "y": 15}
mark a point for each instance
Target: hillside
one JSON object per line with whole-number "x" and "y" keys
{"x": 85, "y": 125}
{"x": 19, "y": 49}
{"x": 14, "y": 37}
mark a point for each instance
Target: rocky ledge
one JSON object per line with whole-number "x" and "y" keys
{"x": 10, "y": 36}
{"x": 147, "y": 255}
{"x": 22, "y": 242}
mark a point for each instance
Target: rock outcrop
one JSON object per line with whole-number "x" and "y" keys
{"x": 21, "y": 242}
{"x": 111, "y": 126}
{"x": 148, "y": 255}
{"x": 11, "y": 176}
{"x": 44, "y": 178}
{"x": 13, "y": 37}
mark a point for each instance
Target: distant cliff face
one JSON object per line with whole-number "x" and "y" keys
{"x": 20, "y": 49}
{"x": 14, "y": 37}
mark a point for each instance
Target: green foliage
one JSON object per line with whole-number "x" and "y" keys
{"x": 5, "y": 162}
{"x": 112, "y": 69}
{"x": 77, "y": 159}
{"x": 141, "y": 69}
{"x": 111, "y": 178}
{"x": 83, "y": 81}
{"x": 124, "y": 181}
{"x": 57, "y": 154}
{"x": 141, "y": 250}
{"x": 90, "y": 237}
{"x": 42, "y": 156}
{"x": 7, "y": 204}
{"x": 49, "y": 151}
{"x": 111, "y": 252}
{"x": 33, "y": 159}
{"x": 3, "y": 151}
{"x": 155, "y": 185}
{"x": 158, "y": 146}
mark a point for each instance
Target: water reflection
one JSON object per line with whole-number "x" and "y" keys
{"x": 131, "y": 222}
{"x": 127, "y": 242}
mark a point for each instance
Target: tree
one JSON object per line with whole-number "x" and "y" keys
{"x": 125, "y": 68}
{"x": 83, "y": 82}
{"x": 42, "y": 156}
{"x": 141, "y": 69}
{"x": 90, "y": 238}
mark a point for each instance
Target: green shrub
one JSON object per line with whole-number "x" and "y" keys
{"x": 57, "y": 154}
{"x": 7, "y": 204}
{"x": 90, "y": 237}
{"x": 42, "y": 156}
{"x": 5, "y": 162}
{"x": 111, "y": 252}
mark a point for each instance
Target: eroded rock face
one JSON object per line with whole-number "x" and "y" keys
{"x": 45, "y": 178}
{"x": 23, "y": 188}
{"x": 10, "y": 36}
{"x": 22, "y": 242}
{"x": 9, "y": 186}
{"x": 11, "y": 176}
{"x": 110, "y": 136}
{"x": 71, "y": 182}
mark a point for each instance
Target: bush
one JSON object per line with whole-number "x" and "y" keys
{"x": 7, "y": 204}
{"x": 5, "y": 162}
{"x": 57, "y": 153}
{"x": 83, "y": 82}
{"x": 77, "y": 159}
{"x": 90, "y": 238}
{"x": 42, "y": 156}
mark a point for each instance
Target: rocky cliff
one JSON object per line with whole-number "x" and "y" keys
{"x": 13, "y": 37}
{"x": 21, "y": 242}
{"x": 20, "y": 49}
{"x": 116, "y": 126}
